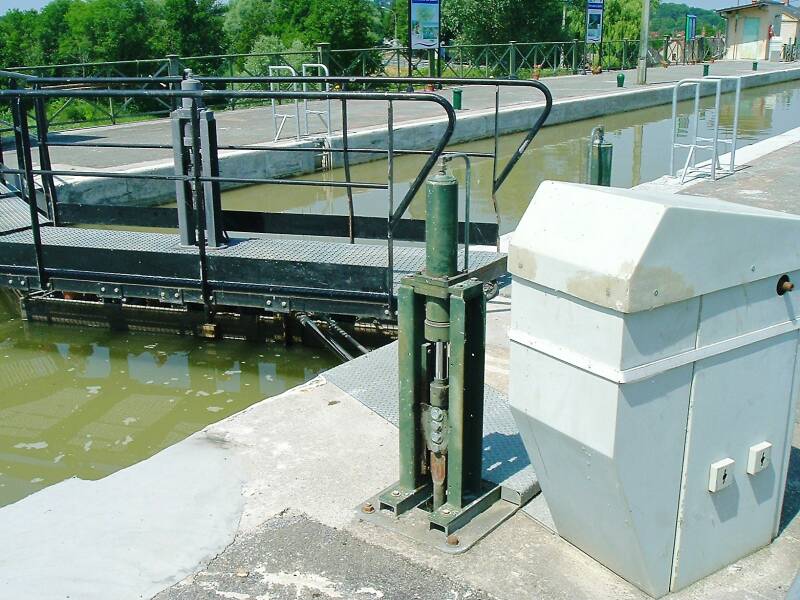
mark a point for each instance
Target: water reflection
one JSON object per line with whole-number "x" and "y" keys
{"x": 641, "y": 153}
{"x": 87, "y": 402}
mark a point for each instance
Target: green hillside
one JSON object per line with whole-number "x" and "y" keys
{"x": 670, "y": 19}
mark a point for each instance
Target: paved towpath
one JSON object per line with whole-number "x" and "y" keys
{"x": 255, "y": 125}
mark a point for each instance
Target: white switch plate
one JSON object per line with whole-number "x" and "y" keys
{"x": 758, "y": 458}
{"x": 721, "y": 475}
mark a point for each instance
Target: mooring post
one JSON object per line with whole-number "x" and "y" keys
{"x": 600, "y": 158}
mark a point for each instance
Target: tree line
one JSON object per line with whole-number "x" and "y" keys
{"x": 79, "y": 31}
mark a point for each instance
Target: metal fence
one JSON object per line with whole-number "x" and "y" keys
{"x": 791, "y": 51}
{"x": 513, "y": 60}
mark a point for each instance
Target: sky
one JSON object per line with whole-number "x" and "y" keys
{"x": 6, "y": 5}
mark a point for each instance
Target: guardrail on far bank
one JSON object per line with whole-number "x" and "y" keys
{"x": 512, "y": 60}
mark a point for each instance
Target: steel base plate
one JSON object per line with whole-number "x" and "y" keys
{"x": 416, "y": 525}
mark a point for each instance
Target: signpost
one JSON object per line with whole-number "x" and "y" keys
{"x": 594, "y": 28}
{"x": 594, "y": 22}
{"x": 641, "y": 67}
{"x": 424, "y": 25}
{"x": 691, "y": 27}
{"x": 690, "y": 32}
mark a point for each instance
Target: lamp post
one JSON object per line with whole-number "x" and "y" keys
{"x": 641, "y": 67}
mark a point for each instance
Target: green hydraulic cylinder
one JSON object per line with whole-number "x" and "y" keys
{"x": 441, "y": 249}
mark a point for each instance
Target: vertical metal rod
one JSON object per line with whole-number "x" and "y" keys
{"x": 494, "y": 160}
{"x": 715, "y": 142}
{"x": 440, "y": 361}
{"x": 390, "y": 182}
{"x": 199, "y": 206}
{"x": 297, "y": 111}
{"x": 696, "y": 118}
{"x": 44, "y": 159}
{"x": 346, "y": 161}
{"x": 735, "y": 135}
{"x": 467, "y": 202}
{"x": 674, "y": 129}
{"x": 25, "y": 161}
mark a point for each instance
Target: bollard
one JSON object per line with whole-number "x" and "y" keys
{"x": 457, "y": 92}
{"x": 620, "y": 79}
{"x": 600, "y": 158}
{"x": 705, "y": 70}
{"x": 755, "y": 65}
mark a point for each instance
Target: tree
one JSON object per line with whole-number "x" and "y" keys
{"x": 621, "y": 20}
{"x": 277, "y": 53}
{"x": 18, "y": 42}
{"x": 188, "y": 27}
{"x": 105, "y": 30}
{"x": 501, "y": 21}
{"x": 245, "y": 21}
{"x": 342, "y": 23}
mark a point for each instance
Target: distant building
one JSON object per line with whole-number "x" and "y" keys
{"x": 759, "y": 30}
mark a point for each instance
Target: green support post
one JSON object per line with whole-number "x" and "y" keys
{"x": 412, "y": 358}
{"x": 512, "y": 60}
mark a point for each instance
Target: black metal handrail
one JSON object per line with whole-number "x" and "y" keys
{"x": 19, "y": 98}
{"x": 497, "y": 179}
{"x": 42, "y": 88}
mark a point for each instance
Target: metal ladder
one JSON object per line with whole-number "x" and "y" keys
{"x": 698, "y": 142}
{"x": 276, "y": 70}
{"x": 324, "y": 115}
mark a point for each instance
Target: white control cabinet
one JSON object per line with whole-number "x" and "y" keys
{"x": 654, "y": 343}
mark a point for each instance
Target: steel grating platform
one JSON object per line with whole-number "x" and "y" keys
{"x": 14, "y": 213}
{"x": 269, "y": 265}
{"x": 372, "y": 380}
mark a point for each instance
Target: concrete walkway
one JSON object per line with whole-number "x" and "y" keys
{"x": 255, "y": 125}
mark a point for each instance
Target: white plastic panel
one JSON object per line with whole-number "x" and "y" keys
{"x": 616, "y": 505}
{"x": 633, "y": 250}
{"x": 738, "y": 399}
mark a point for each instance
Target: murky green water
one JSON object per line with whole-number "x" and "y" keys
{"x": 641, "y": 153}
{"x": 87, "y": 402}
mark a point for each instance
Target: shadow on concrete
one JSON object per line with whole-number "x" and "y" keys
{"x": 503, "y": 456}
{"x": 791, "y": 496}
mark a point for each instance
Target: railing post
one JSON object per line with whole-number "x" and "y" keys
{"x": 182, "y": 165}
{"x": 174, "y": 69}
{"x": 512, "y": 60}
{"x": 574, "y": 57}
{"x": 324, "y": 54}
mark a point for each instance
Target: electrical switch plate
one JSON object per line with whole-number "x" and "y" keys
{"x": 758, "y": 458}
{"x": 721, "y": 475}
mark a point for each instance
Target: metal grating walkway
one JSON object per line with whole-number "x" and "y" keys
{"x": 372, "y": 380}
{"x": 14, "y": 213}
{"x": 305, "y": 275}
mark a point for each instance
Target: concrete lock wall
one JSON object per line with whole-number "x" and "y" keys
{"x": 653, "y": 374}
{"x": 423, "y": 133}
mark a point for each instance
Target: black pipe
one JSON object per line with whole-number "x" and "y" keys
{"x": 337, "y": 328}
{"x": 332, "y": 344}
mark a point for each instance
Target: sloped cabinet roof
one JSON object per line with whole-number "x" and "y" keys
{"x": 633, "y": 250}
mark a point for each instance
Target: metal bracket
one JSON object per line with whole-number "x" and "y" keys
{"x": 16, "y": 282}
